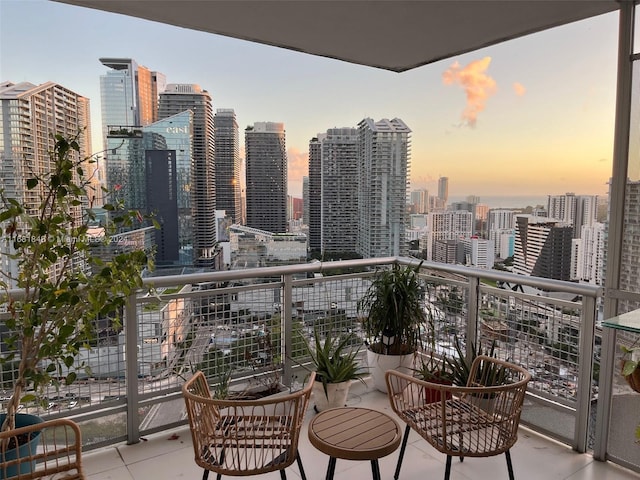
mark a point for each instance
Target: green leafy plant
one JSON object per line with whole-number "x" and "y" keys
{"x": 631, "y": 372}
{"x": 392, "y": 307}
{"x": 460, "y": 365}
{"x": 221, "y": 384}
{"x": 434, "y": 369}
{"x": 60, "y": 299}
{"x": 334, "y": 360}
{"x": 629, "y": 365}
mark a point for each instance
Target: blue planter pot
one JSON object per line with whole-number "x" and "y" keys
{"x": 22, "y": 420}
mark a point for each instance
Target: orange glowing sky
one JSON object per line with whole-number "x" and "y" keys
{"x": 532, "y": 116}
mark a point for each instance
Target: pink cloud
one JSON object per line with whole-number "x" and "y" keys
{"x": 519, "y": 89}
{"x": 298, "y": 164}
{"x": 477, "y": 84}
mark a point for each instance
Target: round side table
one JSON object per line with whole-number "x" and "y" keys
{"x": 352, "y": 433}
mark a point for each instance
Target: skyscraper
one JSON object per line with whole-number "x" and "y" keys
{"x": 383, "y": 166}
{"x": 227, "y": 160}
{"x": 630, "y": 259}
{"x": 445, "y": 226}
{"x": 420, "y": 201}
{"x": 305, "y": 199}
{"x": 175, "y": 135}
{"x": 339, "y": 204}
{"x": 575, "y": 210}
{"x": 542, "y": 248}
{"x": 443, "y": 190}
{"x": 174, "y": 100}
{"x": 315, "y": 194}
{"x": 129, "y": 180}
{"x": 129, "y": 94}
{"x": 30, "y": 116}
{"x": 266, "y": 152}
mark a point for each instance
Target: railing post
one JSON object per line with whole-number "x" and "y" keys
{"x": 472, "y": 312}
{"x": 585, "y": 373}
{"x": 131, "y": 368}
{"x": 286, "y": 340}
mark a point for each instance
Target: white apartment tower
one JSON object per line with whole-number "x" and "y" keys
{"x": 589, "y": 255}
{"x": 441, "y": 226}
{"x": 339, "y": 204}
{"x": 630, "y": 261}
{"x": 420, "y": 201}
{"x": 501, "y": 231}
{"x": 383, "y": 167}
{"x": 572, "y": 209}
{"x": 479, "y": 253}
{"x": 30, "y": 116}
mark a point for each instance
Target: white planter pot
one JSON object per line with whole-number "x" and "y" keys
{"x": 379, "y": 364}
{"x": 336, "y": 395}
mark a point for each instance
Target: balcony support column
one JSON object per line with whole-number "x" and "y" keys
{"x": 585, "y": 373}
{"x": 616, "y": 220}
{"x": 472, "y": 313}
{"x": 131, "y": 369}
{"x": 286, "y": 341}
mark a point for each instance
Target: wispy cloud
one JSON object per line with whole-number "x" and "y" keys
{"x": 519, "y": 89}
{"x": 477, "y": 84}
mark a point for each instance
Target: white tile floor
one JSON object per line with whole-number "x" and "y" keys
{"x": 169, "y": 455}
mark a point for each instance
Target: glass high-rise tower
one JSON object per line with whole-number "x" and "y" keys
{"x": 176, "y": 99}
{"x": 129, "y": 94}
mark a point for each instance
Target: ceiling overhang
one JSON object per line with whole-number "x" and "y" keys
{"x": 395, "y": 35}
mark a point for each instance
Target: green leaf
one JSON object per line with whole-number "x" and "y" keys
{"x": 32, "y": 183}
{"x": 70, "y": 378}
{"x": 628, "y": 367}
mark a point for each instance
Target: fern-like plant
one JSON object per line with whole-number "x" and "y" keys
{"x": 334, "y": 359}
{"x": 460, "y": 365}
{"x": 393, "y": 307}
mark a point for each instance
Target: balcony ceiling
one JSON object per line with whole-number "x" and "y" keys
{"x": 396, "y": 35}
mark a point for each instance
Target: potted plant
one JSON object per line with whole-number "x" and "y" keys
{"x": 59, "y": 301}
{"x": 460, "y": 364}
{"x": 631, "y": 366}
{"x": 434, "y": 370}
{"x": 394, "y": 320}
{"x": 631, "y": 372}
{"x": 336, "y": 364}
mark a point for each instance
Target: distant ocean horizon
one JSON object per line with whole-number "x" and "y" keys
{"x": 505, "y": 201}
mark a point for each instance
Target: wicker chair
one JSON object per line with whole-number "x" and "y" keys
{"x": 58, "y": 455}
{"x": 471, "y": 421}
{"x": 245, "y": 437}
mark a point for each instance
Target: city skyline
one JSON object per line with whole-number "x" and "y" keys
{"x": 521, "y": 122}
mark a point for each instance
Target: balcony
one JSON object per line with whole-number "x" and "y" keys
{"x": 251, "y": 320}
{"x": 169, "y": 455}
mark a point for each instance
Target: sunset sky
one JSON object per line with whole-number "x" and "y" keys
{"x": 532, "y": 116}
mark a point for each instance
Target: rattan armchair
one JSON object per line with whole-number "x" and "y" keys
{"x": 58, "y": 454}
{"x": 245, "y": 437}
{"x": 472, "y": 421}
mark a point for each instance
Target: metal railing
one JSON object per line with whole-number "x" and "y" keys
{"x": 251, "y": 323}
